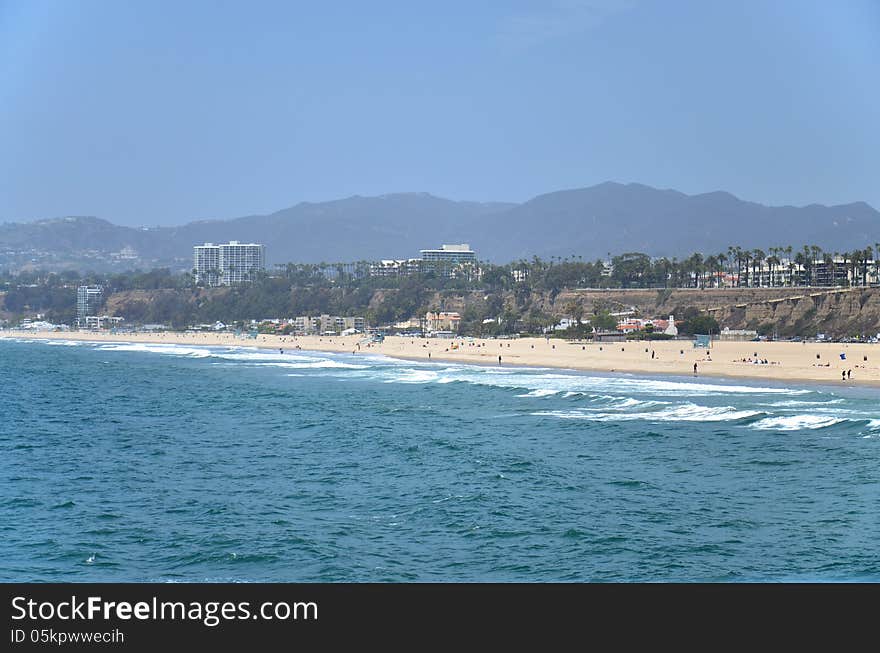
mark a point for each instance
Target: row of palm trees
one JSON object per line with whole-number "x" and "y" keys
{"x": 810, "y": 265}
{"x": 785, "y": 266}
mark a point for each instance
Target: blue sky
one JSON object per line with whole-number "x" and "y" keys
{"x": 158, "y": 112}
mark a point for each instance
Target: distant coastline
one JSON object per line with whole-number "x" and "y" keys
{"x": 786, "y": 361}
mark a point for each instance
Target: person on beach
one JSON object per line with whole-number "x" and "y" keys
{"x": 849, "y": 374}
{"x": 843, "y": 375}
{"x": 695, "y": 369}
{"x": 499, "y": 360}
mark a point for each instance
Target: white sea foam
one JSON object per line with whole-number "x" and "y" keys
{"x": 316, "y": 365}
{"x": 695, "y": 389}
{"x": 174, "y": 350}
{"x": 680, "y": 413}
{"x": 619, "y": 403}
{"x": 540, "y": 392}
{"x": 259, "y": 356}
{"x": 413, "y": 376}
{"x": 798, "y": 403}
{"x": 532, "y": 384}
{"x": 797, "y": 422}
{"x": 236, "y": 355}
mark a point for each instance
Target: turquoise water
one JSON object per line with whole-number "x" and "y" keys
{"x": 160, "y": 463}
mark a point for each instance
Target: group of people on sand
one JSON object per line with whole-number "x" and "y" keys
{"x": 756, "y": 361}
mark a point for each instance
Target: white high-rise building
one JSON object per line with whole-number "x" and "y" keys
{"x": 450, "y": 254}
{"x": 450, "y": 261}
{"x": 206, "y": 264}
{"x": 228, "y": 264}
{"x": 88, "y": 299}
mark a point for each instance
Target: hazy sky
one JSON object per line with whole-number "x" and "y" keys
{"x": 157, "y": 112}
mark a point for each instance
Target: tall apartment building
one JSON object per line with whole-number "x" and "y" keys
{"x": 206, "y": 264}
{"x": 453, "y": 254}
{"x": 228, "y": 264}
{"x": 450, "y": 260}
{"x": 88, "y": 299}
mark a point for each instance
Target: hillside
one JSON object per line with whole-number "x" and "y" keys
{"x": 617, "y": 218}
{"x": 587, "y": 222}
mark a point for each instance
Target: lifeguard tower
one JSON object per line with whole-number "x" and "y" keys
{"x": 702, "y": 341}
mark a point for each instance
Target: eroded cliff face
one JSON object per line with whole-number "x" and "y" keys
{"x": 787, "y": 311}
{"x": 784, "y": 311}
{"x": 853, "y": 313}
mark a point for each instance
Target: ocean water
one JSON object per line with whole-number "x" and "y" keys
{"x": 131, "y": 462}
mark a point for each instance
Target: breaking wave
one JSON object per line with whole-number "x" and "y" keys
{"x": 681, "y": 413}
{"x": 798, "y": 422}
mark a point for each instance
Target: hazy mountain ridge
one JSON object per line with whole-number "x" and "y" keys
{"x": 588, "y": 222}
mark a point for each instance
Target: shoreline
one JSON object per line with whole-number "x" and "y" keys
{"x": 812, "y": 363}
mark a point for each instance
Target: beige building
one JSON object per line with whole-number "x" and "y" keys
{"x": 443, "y": 321}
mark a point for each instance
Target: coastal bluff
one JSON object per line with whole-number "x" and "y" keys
{"x": 785, "y": 312}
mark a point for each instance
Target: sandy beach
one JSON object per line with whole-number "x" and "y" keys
{"x": 786, "y": 361}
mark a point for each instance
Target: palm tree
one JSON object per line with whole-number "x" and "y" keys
{"x": 711, "y": 265}
{"x": 854, "y": 260}
{"x": 801, "y": 260}
{"x": 772, "y": 261}
{"x": 663, "y": 265}
{"x": 876, "y": 256}
{"x": 731, "y": 257}
{"x": 747, "y": 266}
{"x": 859, "y": 270}
{"x": 758, "y": 258}
{"x": 816, "y": 253}
{"x": 845, "y": 256}
{"x": 808, "y": 266}
{"x": 788, "y": 250}
{"x": 828, "y": 259}
{"x": 722, "y": 259}
{"x": 695, "y": 262}
{"x": 737, "y": 254}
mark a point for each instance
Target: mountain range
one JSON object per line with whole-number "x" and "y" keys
{"x": 587, "y": 222}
